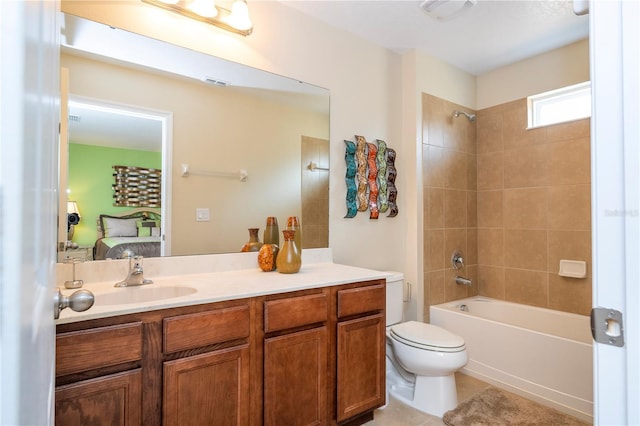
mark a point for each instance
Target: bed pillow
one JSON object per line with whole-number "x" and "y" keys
{"x": 146, "y": 227}
{"x": 117, "y": 227}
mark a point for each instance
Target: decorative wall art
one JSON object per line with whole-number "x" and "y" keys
{"x": 137, "y": 187}
{"x": 370, "y": 178}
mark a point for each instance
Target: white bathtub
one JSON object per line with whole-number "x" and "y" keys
{"x": 542, "y": 354}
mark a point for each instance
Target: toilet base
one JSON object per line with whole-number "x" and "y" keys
{"x": 431, "y": 395}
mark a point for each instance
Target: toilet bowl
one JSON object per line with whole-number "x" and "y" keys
{"x": 421, "y": 358}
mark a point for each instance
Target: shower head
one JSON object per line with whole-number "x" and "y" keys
{"x": 470, "y": 117}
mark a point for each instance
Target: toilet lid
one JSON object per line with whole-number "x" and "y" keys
{"x": 427, "y": 336}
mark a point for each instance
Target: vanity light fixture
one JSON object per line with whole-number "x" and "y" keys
{"x": 236, "y": 20}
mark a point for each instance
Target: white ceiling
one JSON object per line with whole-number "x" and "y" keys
{"x": 489, "y": 35}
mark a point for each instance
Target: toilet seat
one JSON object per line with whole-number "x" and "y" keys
{"x": 427, "y": 337}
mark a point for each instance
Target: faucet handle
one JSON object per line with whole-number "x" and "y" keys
{"x": 456, "y": 260}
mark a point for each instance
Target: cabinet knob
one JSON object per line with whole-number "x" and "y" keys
{"x": 79, "y": 301}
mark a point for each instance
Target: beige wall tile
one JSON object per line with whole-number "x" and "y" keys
{"x": 490, "y": 209}
{"x": 525, "y": 167}
{"x": 571, "y": 130}
{"x": 472, "y": 172}
{"x": 527, "y": 287}
{"x": 454, "y": 239}
{"x": 569, "y": 245}
{"x": 471, "y": 272}
{"x": 491, "y": 281}
{"x": 453, "y": 291}
{"x": 472, "y": 209}
{"x": 470, "y": 138}
{"x": 525, "y": 249}
{"x": 490, "y": 247}
{"x": 570, "y": 162}
{"x": 434, "y": 165}
{"x": 489, "y": 133}
{"x": 471, "y": 255}
{"x": 433, "y": 110}
{"x": 525, "y": 208}
{"x": 435, "y": 214}
{"x": 569, "y": 207}
{"x": 490, "y": 171}
{"x": 570, "y": 294}
{"x": 455, "y": 173}
{"x": 436, "y": 258}
{"x": 455, "y": 208}
{"x": 436, "y": 287}
{"x": 455, "y": 132}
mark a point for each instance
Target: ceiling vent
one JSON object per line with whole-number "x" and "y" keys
{"x": 445, "y": 10}
{"x": 74, "y": 118}
{"x": 215, "y": 82}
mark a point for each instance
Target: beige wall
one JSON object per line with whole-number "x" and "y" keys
{"x": 215, "y": 129}
{"x": 562, "y": 67}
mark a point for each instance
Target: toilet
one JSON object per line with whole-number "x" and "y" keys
{"x": 421, "y": 358}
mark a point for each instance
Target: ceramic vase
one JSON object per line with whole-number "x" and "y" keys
{"x": 254, "y": 243}
{"x": 271, "y": 232}
{"x": 288, "y": 260}
{"x": 293, "y": 224}
{"x": 267, "y": 257}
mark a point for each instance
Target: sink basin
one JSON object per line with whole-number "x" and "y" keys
{"x": 128, "y": 295}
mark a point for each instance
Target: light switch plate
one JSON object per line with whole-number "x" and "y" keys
{"x": 202, "y": 214}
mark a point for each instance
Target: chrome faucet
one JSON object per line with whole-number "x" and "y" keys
{"x": 135, "y": 276}
{"x": 463, "y": 281}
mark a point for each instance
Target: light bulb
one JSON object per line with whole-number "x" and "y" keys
{"x": 239, "y": 18}
{"x": 205, "y": 8}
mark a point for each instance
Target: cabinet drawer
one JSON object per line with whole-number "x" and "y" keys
{"x": 205, "y": 328}
{"x": 359, "y": 300}
{"x": 294, "y": 312}
{"x": 98, "y": 347}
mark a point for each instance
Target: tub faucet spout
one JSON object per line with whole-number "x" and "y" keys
{"x": 463, "y": 281}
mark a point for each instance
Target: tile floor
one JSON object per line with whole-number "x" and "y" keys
{"x": 397, "y": 414}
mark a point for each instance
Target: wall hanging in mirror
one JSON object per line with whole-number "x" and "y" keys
{"x": 370, "y": 178}
{"x": 137, "y": 187}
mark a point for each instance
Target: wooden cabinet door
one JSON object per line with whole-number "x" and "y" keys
{"x": 110, "y": 400}
{"x": 361, "y": 365}
{"x": 208, "y": 389}
{"x": 295, "y": 378}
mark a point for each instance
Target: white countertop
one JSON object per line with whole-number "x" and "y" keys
{"x": 215, "y": 287}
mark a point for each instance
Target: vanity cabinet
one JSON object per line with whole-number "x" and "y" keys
{"x": 212, "y": 387}
{"x": 106, "y": 381}
{"x": 295, "y": 360}
{"x": 360, "y": 350}
{"x": 305, "y": 357}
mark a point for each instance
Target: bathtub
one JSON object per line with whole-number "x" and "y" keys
{"x": 541, "y": 354}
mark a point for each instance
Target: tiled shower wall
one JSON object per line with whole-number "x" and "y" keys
{"x": 450, "y": 198}
{"x": 532, "y": 208}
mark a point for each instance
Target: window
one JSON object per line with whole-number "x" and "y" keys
{"x": 557, "y": 106}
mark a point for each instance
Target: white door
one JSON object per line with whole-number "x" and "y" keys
{"x": 615, "y": 45}
{"x": 29, "y": 115}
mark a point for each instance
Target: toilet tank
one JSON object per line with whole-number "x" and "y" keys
{"x": 395, "y": 297}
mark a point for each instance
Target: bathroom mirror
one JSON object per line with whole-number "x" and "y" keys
{"x": 219, "y": 119}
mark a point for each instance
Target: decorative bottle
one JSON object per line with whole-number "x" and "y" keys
{"x": 288, "y": 260}
{"x": 293, "y": 223}
{"x": 254, "y": 243}
{"x": 271, "y": 232}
